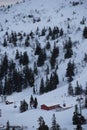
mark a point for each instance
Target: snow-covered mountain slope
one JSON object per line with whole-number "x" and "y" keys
{"x": 27, "y": 16}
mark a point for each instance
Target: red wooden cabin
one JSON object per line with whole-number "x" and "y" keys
{"x": 45, "y": 107}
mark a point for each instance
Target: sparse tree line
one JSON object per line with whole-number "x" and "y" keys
{"x": 23, "y": 39}
{"x": 24, "y": 106}
{"x": 77, "y": 89}
{"x": 54, "y": 124}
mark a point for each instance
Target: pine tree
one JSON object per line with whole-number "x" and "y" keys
{"x": 48, "y": 45}
{"x": 79, "y": 127}
{"x": 23, "y": 106}
{"x": 17, "y": 55}
{"x": 55, "y": 126}
{"x": 55, "y": 54}
{"x": 29, "y": 75}
{"x": 41, "y": 58}
{"x": 5, "y": 63}
{"x": 78, "y": 89}
{"x": 7, "y": 125}
{"x": 68, "y": 49}
{"x": 35, "y": 68}
{"x": 61, "y": 32}
{"x": 31, "y": 102}
{"x": 27, "y": 43}
{"x": 42, "y": 125}
{"x": 38, "y": 49}
{"x": 25, "y": 58}
{"x": 85, "y": 32}
{"x": 5, "y": 42}
{"x": 35, "y": 103}
{"x": 42, "y": 86}
{"x": 86, "y": 101}
{"x": 70, "y": 71}
{"x": 1, "y": 87}
{"x": 70, "y": 89}
{"x": 54, "y": 81}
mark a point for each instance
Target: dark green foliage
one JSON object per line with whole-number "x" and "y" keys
{"x": 86, "y": 102}
{"x": 70, "y": 71}
{"x": 27, "y": 43}
{"x": 48, "y": 45}
{"x": 29, "y": 75}
{"x": 68, "y": 49}
{"x": 17, "y": 80}
{"x": 42, "y": 125}
{"x": 79, "y": 127}
{"x": 1, "y": 87}
{"x": 7, "y": 125}
{"x": 85, "y": 32}
{"x": 70, "y": 89}
{"x": 51, "y": 83}
{"x": 55, "y": 54}
{"x": 25, "y": 58}
{"x": 38, "y": 49}
{"x": 76, "y": 109}
{"x": 55, "y": 126}
{"x": 5, "y": 64}
{"x": 5, "y": 42}
{"x": 23, "y": 106}
{"x": 85, "y": 90}
{"x": 85, "y": 58}
{"x": 43, "y": 32}
{"x": 78, "y": 119}
{"x": 7, "y": 86}
{"x": 54, "y": 80}
{"x": 61, "y": 32}
{"x": 33, "y": 102}
{"x": 35, "y": 68}
{"x": 17, "y": 56}
{"x": 41, "y": 58}
{"x": 78, "y": 89}
{"x": 42, "y": 86}
{"x": 13, "y": 38}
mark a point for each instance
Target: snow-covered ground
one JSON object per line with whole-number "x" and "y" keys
{"x": 8, "y": 2}
{"x": 51, "y": 13}
{"x": 30, "y": 117}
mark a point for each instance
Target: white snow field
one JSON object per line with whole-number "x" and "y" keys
{"x": 52, "y": 13}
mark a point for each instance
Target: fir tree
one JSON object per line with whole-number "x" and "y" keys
{"x": 70, "y": 89}
{"x": 55, "y": 126}
{"x": 79, "y": 127}
{"x": 42, "y": 125}
{"x": 17, "y": 55}
{"x": 68, "y": 49}
{"x": 35, "y": 68}
{"x": 85, "y": 32}
{"x": 7, "y": 125}
{"x": 35, "y": 103}
{"x": 86, "y": 101}
{"x": 31, "y": 101}
{"x": 42, "y": 86}
{"x": 25, "y": 58}
{"x": 5, "y": 42}
{"x": 70, "y": 71}
{"x": 78, "y": 89}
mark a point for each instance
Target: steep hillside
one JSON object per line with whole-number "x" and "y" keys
{"x": 42, "y": 48}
